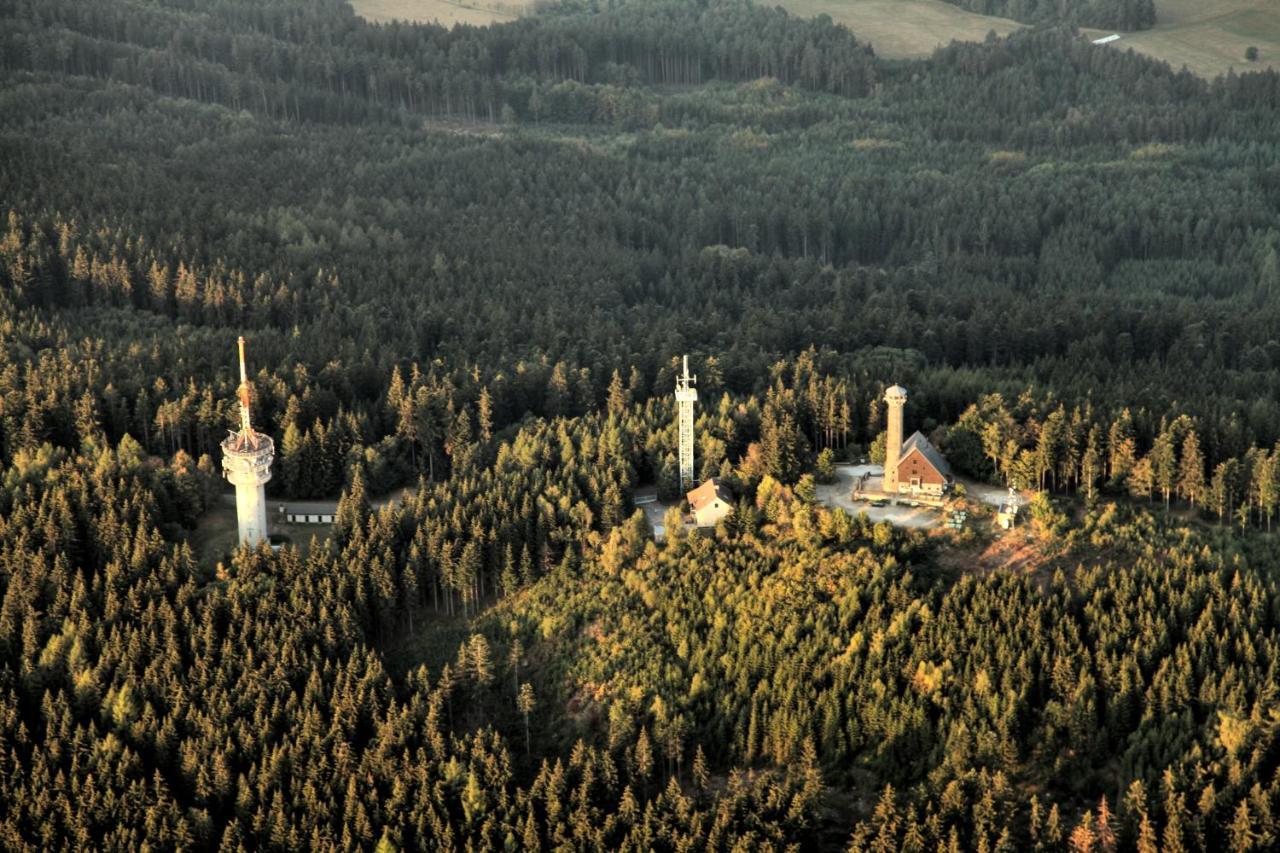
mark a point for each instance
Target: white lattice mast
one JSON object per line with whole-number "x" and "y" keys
{"x": 246, "y": 463}
{"x": 686, "y": 396}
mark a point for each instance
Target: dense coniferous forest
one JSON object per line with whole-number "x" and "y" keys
{"x": 466, "y": 261}
{"x": 1108, "y": 14}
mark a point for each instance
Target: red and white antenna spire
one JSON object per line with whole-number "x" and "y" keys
{"x": 245, "y": 427}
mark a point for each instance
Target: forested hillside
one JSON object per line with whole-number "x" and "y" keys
{"x": 1106, "y": 14}
{"x": 466, "y": 261}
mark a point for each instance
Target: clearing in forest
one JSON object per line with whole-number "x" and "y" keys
{"x": 904, "y": 29}
{"x": 1016, "y": 552}
{"x": 444, "y": 12}
{"x": 216, "y": 534}
{"x": 1209, "y": 36}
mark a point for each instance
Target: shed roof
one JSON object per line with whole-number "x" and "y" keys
{"x": 310, "y": 507}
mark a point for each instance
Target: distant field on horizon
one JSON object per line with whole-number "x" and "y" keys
{"x": 1207, "y": 36}
{"x": 904, "y": 29}
{"x": 897, "y": 29}
{"x": 1210, "y": 36}
{"x": 445, "y": 12}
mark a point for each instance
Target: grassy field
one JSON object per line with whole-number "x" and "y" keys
{"x": 903, "y": 29}
{"x": 1207, "y": 36}
{"x": 446, "y": 12}
{"x": 1210, "y": 36}
{"x": 899, "y": 29}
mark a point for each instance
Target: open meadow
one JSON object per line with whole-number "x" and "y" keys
{"x": 446, "y": 12}
{"x": 904, "y": 29}
{"x": 1210, "y": 36}
{"x": 897, "y": 29}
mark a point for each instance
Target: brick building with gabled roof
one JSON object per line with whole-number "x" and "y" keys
{"x": 921, "y": 468}
{"x": 914, "y": 466}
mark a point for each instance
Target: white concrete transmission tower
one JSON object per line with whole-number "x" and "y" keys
{"x": 686, "y": 396}
{"x": 246, "y": 463}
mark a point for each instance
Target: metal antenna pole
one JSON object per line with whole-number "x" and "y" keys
{"x": 245, "y": 426}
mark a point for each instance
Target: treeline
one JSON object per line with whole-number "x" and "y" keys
{"x": 397, "y": 428}
{"x": 1105, "y": 14}
{"x": 1078, "y": 451}
{"x": 318, "y": 62}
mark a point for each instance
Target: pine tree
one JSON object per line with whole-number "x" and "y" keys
{"x": 531, "y": 842}
{"x": 885, "y": 822}
{"x": 484, "y": 414}
{"x": 1052, "y": 834}
{"x": 782, "y": 446}
{"x": 1164, "y": 466}
{"x": 1104, "y": 829}
{"x": 1222, "y": 488}
{"x": 353, "y": 510}
{"x": 1091, "y": 462}
{"x": 701, "y": 776}
{"x": 1173, "y": 840}
{"x": 1083, "y": 837}
{"x": 1191, "y": 469}
{"x": 1147, "y": 842}
{"x": 525, "y": 703}
{"x": 619, "y": 397}
{"x": 479, "y": 662}
{"x": 292, "y": 460}
{"x": 1123, "y": 449}
{"x": 642, "y": 762}
{"x": 1243, "y": 838}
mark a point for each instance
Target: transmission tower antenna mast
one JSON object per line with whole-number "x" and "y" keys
{"x": 686, "y": 396}
{"x": 243, "y": 393}
{"x": 246, "y": 463}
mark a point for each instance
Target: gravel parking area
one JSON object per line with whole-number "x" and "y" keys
{"x": 840, "y": 493}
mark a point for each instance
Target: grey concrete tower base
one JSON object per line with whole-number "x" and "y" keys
{"x": 249, "y": 470}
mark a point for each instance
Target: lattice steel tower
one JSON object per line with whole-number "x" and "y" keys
{"x": 246, "y": 463}
{"x": 686, "y": 396}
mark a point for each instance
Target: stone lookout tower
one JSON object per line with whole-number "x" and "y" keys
{"x": 246, "y": 463}
{"x": 896, "y": 397}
